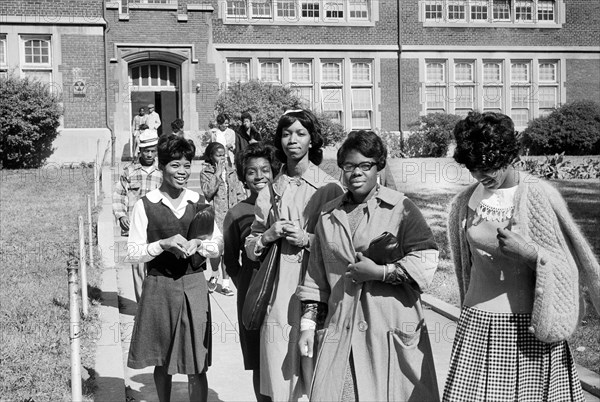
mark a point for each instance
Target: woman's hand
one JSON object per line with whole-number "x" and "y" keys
{"x": 295, "y": 235}
{"x": 364, "y": 269}
{"x": 219, "y": 168}
{"x": 192, "y": 246}
{"x": 276, "y": 231}
{"x": 514, "y": 246}
{"x": 176, "y": 245}
{"x": 306, "y": 342}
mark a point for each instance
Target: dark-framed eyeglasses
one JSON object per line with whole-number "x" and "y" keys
{"x": 364, "y": 166}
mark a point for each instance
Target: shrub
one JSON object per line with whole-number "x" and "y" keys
{"x": 266, "y": 103}
{"x": 29, "y": 119}
{"x": 557, "y": 167}
{"x": 431, "y": 135}
{"x": 393, "y": 143}
{"x": 574, "y": 128}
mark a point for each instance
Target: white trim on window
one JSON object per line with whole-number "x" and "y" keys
{"x": 270, "y": 71}
{"x": 502, "y": 13}
{"x": 36, "y": 51}
{"x": 3, "y": 52}
{"x": 238, "y": 70}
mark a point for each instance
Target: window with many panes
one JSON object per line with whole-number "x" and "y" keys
{"x": 435, "y": 87}
{"x": 270, "y": 71}
{"x": 239, "y": 71}
{"x": 332, "y": 102}
{"x": 2, "y": 51}
{"x": 464, "y": 88}
{"x": 307, "y": 11}
{"x": 492, "y": 86}
{"x": 523, "y": 89}
{"x": 547, "y": 86}
{"x": 490, "y": 11}
{"x": 362, "y": 95}
{"x": 154, "y": 75}
{"x": 301, "y": 81}
{"x": 36, "y": 54}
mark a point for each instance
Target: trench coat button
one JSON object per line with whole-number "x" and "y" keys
{"x": 363, "y": 326}
{"x": 531, "y": 329}
{"x": 543, "y": 261}
{"x": 539, "y": 291}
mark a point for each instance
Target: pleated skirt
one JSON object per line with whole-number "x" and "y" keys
{"x": 496, "y": 358}
{"x": 172, "y": 325}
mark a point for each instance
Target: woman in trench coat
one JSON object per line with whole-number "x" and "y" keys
{"x": 375, "y": 345}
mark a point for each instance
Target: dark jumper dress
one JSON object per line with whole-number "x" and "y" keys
{"x": 172, "y": 324}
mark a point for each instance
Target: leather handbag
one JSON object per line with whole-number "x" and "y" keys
{"x": 263, "y": 281}
{"x": 384, "y": 249}
{"x": 201, "y": 227}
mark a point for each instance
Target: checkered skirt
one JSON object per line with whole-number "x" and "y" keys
{"x": 495, "y": 358}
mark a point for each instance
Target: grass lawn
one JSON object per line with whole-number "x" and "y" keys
{"x": 38, "y": 211}
{"x": 431, "y": 183}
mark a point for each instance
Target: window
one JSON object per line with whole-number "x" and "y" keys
{"x": 520, "y": 92}
{"x": 492, "y": 86}
{"x": 154, "y": 75}
{"x": 304, "y": 11}
{"x": 435, "y": 90}
{"x": 456, "y": 11}
{"x": 37, "y": 52}
{"x": 236, "y": 9}
{"x": 361, "y": 72}
{"x": 501, "y": 10}
{"x": 362, "y": 95}
{"x": 433, "y": 10}
{"x": 547, "y": 87}
{"x": 301, "y": 80}
{"x": 286, "y": 9}
{"x": 261, "y": 9}
{"x": 332, "y": 72}
{"x": 2, "y": 51}
{"x": 522, "y": 89}
{"x": 490, "y": 11}
{"x": 464, "y": 88}
{"x": 239, "y": 71}
{"x": 331, "y": 90}
{"x": 524, "y": 10}
{"x": 358, "y": 9}
{"x": 309, "y": 9}
{"x": 334, "y": 9}
{"x": 479, "y": 11}
{"x": 270, "y": 71}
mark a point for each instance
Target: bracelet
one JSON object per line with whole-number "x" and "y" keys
{"x": 307, "y": 324}
{"x": 385, "y": 272}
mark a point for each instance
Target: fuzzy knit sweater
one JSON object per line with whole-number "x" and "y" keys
{"x": 543, "y": 219}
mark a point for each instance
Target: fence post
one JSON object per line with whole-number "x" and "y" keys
{"x": 83, "y": 270}
{"x": 90, "y": 234}
{"x": 74, "y": 332}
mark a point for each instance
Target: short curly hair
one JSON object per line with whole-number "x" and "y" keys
{"x": 311, "y": 124}
{"x": 255, "y": 150}
{"x": 486, "y": 141}
{"x": 173, "y": 147}
{"x": 367, "y": 143}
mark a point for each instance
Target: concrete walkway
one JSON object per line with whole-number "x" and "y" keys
{"x": 227, "y": 379}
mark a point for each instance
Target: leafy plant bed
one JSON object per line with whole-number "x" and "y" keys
{"x": 38, "y": 211}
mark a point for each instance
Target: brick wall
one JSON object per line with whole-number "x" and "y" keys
{"x": 390, "y": 119}
{"x": 385, "y": 31}
{"x": 583, "y": 80}
{"x": 87, "y": 54}
{"x": 64, "y": 8}
{"x": 409, "y": 92}
{"x": 582, "y": 28}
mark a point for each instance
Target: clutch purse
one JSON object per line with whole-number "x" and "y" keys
{"x": 201, "y": 227}
{"x": 384, "y": 249}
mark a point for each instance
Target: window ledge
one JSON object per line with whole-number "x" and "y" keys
{"x": 200, "y": 7}
{"x": 524, "y": 25}
{"x": 112, "y": 5}
{"x": 135, "y": 6}
{"x": 270, "y": 21}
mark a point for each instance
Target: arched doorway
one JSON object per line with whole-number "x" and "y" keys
{"x": 156, "y": 82}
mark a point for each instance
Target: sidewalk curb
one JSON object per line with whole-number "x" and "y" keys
{"x": 110, "y": 373}
{"x": 590, "y": 381}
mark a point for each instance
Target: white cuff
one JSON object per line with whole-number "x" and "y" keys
{"x": 209, "y": 249}
{"x": 258, "y": 246}
{"x": 154, "y": 249}
{"x": 307, "y": 324}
